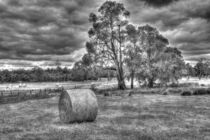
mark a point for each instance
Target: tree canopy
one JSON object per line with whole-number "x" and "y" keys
{"x": 135, "y": 51}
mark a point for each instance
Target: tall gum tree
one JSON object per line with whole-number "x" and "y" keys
{"x": 107, "y": 36}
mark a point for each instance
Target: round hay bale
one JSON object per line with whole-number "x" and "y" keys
{"x": 78, "y": 105}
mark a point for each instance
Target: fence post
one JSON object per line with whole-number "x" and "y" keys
{"x": 30, "y": 93}
{"x": 40, "y": 93}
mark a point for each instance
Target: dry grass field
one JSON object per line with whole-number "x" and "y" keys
{"x": 139, "y": 117}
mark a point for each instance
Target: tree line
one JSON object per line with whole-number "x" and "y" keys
{"x": 38, "y": 74}
{"x": 201, "y": 69}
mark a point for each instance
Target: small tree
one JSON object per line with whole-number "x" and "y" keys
{"x": 153, "y": 45}
{"x": 201, "y": 68}
{"x": 190, "y": 70}
{"x": 170, "y": 66}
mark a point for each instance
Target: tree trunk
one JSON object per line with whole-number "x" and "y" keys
{"x": 151, "y": 83}
{"x": 120, "y": 79}
{"x": 132, "y": 79}
{"x": 121, "y": 84}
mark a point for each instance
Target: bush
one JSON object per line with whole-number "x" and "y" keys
{"x": 208, "y": 91}
{"x": 165, "y": 92}
{"x": 189, "y": 85}
{"x": 93, "y": 87}
{"x": 174, "y": 85}
{"x": 108, "y": 93}
{"x": 186, "y": 93}
{"x": 175, "y": 90}
{"x": 201, "y": 91}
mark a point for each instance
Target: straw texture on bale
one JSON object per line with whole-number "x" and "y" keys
{"x": 78, "y": 105}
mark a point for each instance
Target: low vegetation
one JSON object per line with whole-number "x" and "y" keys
{"x": 147, "y": 117}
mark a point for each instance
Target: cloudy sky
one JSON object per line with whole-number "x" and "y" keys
{"x": 39, "y": 32}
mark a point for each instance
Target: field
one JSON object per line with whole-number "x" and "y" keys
{"x": 144, "y": 117}
{"x": 137, "y": 117}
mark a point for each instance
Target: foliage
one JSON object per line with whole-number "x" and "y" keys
{"x": 149, "y": 58}
{"x": 113, "y": 41}
{"x": 190, "y": 71}
{"x": 53, "y": 75}
{"x": 107, "y": 36}
{"x": 202, "y": 68}
{"x": 36, "y": 75}
{"x": 133, "y": 52}
{"x": 171, "y": 66}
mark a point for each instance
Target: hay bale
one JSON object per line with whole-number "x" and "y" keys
{"x": 78, "y": 105}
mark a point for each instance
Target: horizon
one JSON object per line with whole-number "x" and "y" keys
{"x": 40, "y": 32}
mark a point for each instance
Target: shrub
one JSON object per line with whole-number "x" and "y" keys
{"x": 186, "y": 93}
{"x": 208, "y": 91}
{"x": 201, "y": 91}
{"x": 108, "y": 93}
{"x": 175, "y": 90}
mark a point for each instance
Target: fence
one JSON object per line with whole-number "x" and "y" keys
{"x": 13, "y": 96}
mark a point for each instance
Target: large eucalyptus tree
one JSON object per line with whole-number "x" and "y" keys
{"x": 107, "y": 36}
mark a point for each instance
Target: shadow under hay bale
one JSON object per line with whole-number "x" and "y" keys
{"x": 78, "y": 105}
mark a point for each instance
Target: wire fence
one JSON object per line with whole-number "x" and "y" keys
{"x": 18, "y": 95}
{"x": 14, "y": 96}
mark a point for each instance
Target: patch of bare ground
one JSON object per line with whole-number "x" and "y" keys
{"x": 146, "y": 117}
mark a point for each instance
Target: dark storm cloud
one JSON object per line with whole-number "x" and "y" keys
{"x": 50, "y": 30}
{"x": 30, "y": 29}
{"x": 158, "y": 3}
{"x": 185, "y": 23}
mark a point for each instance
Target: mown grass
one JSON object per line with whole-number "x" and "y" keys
{"x": 139, "y": 117}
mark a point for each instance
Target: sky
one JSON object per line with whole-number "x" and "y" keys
{"x": 41, "y": 32}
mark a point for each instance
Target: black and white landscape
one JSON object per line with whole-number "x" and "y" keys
{"x": 104, "y": 69}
